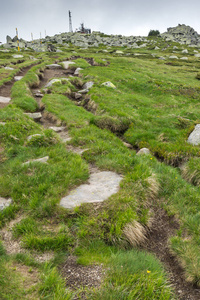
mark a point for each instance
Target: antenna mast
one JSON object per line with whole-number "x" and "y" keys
{"x": 70, "y": 22}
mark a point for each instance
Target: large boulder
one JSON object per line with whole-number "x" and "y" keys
{"x": 194, "y": 137}
{"x": 182, "y": 34}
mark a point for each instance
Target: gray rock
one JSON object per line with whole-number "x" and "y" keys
{"x": 8, "y": 39}
{"x": 173, "y": 57}
{"x": 57, "y": 129}
{"x": 84, "y": 91}
{"x": 109, "y": 84}
{"x": 4, "y": 99}
{"x": 77, "y": 71}
{"x": 100, "y": 187}
{"x": 185, "y": 51}
{"x": 197, "y": 55}
{"x": 143, "y": 151}
{"x": 9, "y": 68}
{"x": 52, "y": 81}
{"x": 77, "y": 96}
{"x": 5, "y": 203}
{"x": 88, "y": 85}
{"x": 54, "y": 66}
{"x": 3, "y": 123}
{"x": 184, "y": 58}
{"x": 66, "y": 64}
{"x": 17, "y": 56}
{"x": 194, "y": 137}
{"x": 42, "y": 160}
{"x": 35, "y": 116}
{"x": 32, "y": 136}
{"x": 156, "y": 48}
{"x": 119, "y": 52}
{"x": 17, "y": 78}
{"x": 161, "y": 58}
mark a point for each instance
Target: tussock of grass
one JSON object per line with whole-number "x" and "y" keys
{"x": 134, "y": 233}
{"x": 191, "y": 171}
{"x": 113, "y": 124}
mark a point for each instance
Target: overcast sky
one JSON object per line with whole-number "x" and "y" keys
{"x": 127, "y": 17}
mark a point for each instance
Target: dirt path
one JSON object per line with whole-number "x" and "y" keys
{"x": 163, "y": 227}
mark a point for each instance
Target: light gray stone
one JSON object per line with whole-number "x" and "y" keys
{"x": 54, "y": 66}
{"x": 4, "y": 99}
{"x": 17, "y": 78}
{"x": 9, "y": 68}
{"x": 5, "y": 203}
{"x": 185, "y": 51}
{"x": 52, "y": 81}
{"x": 57, "y": 129}
{"x": 143, "y": 151}
{"x": 42, "y": 160}
{"x": 99, "y": 188}
{"x": 3, "y": 123}
{"x": 194, "y": 137}
{"x": 197, "y": 55}
{"x": 17, "y": 56}
{"x": 173, "y": 57}
{"x": 77, "y": 71}
{"x": 184, "y": 58}
{"x": 88, "y": 85}
{"x": 36, "y": 116}
{"x": 66, "y": 64}
{"x": 84, "y": 91}
{"x": 32, "y": 136}
{"x": 119, "y": 52}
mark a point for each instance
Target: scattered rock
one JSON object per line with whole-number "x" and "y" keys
{"x": 77, "y": 71}
{"x": 41, "y": 160}
{"x": 57, "y": 129}
{"x": 109, "y": 84}
{"x": 197, "y": 55}
{"x": 36, "y": 116}
{"x": 17, "y": 56}
{"x": 184, "y": 58}
{"x": 194, "y": 137}
{"x": 52, "y": 81}
{"x": 84, "y": 91}
{"x": 32, "y": 136}
{"x": 5, "y": 99}
{"x": 144, "y": 151}
{"x": 173, "y": 57}
{"x": 9, "y": 68}
{"x": 100, "y": 187}
{"x": 119, "y": 52}
{"x": 4, "y": 203}
{"x": 66, "y": 64}
{"x": 3, "y": 123}
{"x": 88, "y": 85}
{"x": 77, "y": 96}
{"x": 185, "y": 51}
{"x": 182, "y": 34}
{"x": 54, "y": 66}
{"x": 17, "y": 78}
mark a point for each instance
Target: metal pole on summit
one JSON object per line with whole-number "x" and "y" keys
{"x": 17, "y": 39}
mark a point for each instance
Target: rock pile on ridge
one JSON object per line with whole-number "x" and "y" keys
{"x": 182, "y": 34}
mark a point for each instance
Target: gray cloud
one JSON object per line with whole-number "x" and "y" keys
{"x": 109, "y": 16}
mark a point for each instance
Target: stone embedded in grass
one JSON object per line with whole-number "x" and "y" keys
{"x": 100, "y": 187}
{"x": 4, "y": 99}
{"x": 17, "y": 56}
{"x": 3, "y": 123}
{"x": 41, "y": 160}
{"x": 173, "y": 57}
{"x": 32, "y": 136}
{"x": 36, "y": 116}
{"x": 185, "y": 51}
{"x": 84, "y": 91}
{"x": 197, "y": 55}
{"x": 66, "y": 64}
{"x": 161, "y": 58}
{"x": 88, "y": 85}
{"x": 4, "y": 203}
{"x": 57, "y": 129}
{"x": 54, "y": 66}
{"x": 9, "y": 68}
{"x": 143, "y": 151}
{"x": 77, "y": 71}
{"x": 17, "y": 78}
{"x": 194, "y": 137}
{"x": 184, "y": 58}
{"x": 52, "y": 81}
{"x": 109, "y": 84}
{"x": 119, "y": 52}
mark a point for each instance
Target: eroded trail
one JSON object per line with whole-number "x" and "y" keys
{"x": 162, "y": 228}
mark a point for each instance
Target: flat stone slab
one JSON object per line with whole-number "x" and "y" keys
{"x": 9, "y": 68}
{"x": 54, "y": 66}
{"x": 17, "y": 56}
{"x": 34, "y": 116}
{"x": 77, "y": 71}
{"x": 194, "y": 137}
{"x": 57, "y": 129}
{"x": 4, "y": 203}
{"x": 88, "y": 85}
{"x": 17, "y": 78}
{"x": 66, "y": 64}
{"x": 100, "y": 187}
{"x": 4, "y": 99}
{"x": 42, "y": 160}
{"x": 143, "y": 151}
{"x": 109, "y": 84}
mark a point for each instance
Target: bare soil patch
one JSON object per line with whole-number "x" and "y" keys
{"x": 162, "y": 228}
{"x": 77, "y": 276}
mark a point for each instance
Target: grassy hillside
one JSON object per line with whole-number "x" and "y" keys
{"x": 143, "y": 241}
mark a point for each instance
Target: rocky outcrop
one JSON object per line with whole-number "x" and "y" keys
{"x": 182, "y": 34}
